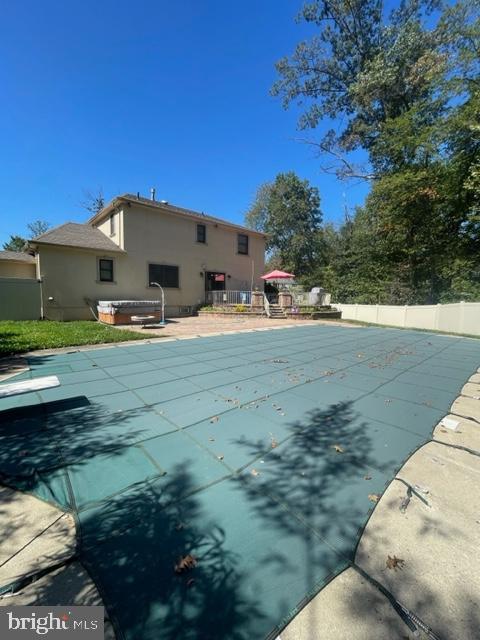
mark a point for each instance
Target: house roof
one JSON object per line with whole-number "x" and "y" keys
{"x": 168, "y": 208}
{"x": 17, "y": 256}
{"x": 81, "y": 236}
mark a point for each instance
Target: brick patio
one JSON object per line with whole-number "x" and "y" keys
{"x": 196, "y": 325}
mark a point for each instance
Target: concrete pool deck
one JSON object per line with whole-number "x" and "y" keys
{"x": 435, "y": 536}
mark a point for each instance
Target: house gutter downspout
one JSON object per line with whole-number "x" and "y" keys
{"x": 40, "y": 281}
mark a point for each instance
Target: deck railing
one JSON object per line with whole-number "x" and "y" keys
{"x": 223, "y": 298}
{"x": 300, "y": 298}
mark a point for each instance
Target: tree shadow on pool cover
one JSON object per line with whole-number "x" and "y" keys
{"x": 132, "y": 556}
{"x": 312, "y": 472}
{"x": 37, "y": 439}
{"x": 131, "y": 546}
{"x": 325, "y": 476}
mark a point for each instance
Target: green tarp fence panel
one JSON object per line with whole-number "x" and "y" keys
{"x": 255, "y": 452}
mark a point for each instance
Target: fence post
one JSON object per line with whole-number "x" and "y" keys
{"x": 462, "y": 317}
{"x": 405, "y": 308}
{"x": 436, "y": 320}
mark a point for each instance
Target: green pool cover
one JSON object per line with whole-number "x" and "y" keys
{"x": 255, "y": 453}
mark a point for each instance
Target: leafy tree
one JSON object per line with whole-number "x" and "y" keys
{"x": 363, "y": 72}
{"x": 403, "y": 87}
{"x": 288, "y": 211}
{"x": 356, "y": 270}
{"x": 257, "y": 215}
{"x": 16, "y": 243}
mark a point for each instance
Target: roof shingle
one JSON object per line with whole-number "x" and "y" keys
{"x": 17, "y": 256}
{"x": 81, "y": 236}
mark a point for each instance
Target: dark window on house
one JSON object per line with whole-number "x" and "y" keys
{"x": 201, "y": 233}
{"x": 164, "y": 274}
{"x": 112, "y": 224}
{"x": 242, "y": 244}
{"x": 105, "y": 270}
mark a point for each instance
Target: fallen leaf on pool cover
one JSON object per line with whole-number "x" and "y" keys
{"x": 337, "y": 448}
{"x": 367, "y": 477}
{"x": 373, "y": 497}
{"x": 255, "y": 472}
{"x": 214, "y": 419}
{"x": 394, "y": 563}
{"x": 274, "y": 443}
{"x": 185, "y": 563}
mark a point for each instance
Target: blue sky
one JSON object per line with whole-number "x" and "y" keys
{"x": 128, "y": 95}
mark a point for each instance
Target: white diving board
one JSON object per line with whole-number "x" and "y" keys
{"x": 26, "y": 386}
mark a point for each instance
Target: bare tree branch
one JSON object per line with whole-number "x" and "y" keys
{"x": 93, "y": 201}
{"x": 343, "y": 168}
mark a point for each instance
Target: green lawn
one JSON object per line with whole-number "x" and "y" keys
{"x": 20, "y": 336}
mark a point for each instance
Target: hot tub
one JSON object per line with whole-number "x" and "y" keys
{"x": 121, "y": 311}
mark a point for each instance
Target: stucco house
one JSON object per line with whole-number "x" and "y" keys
{"x": 16, "y": 264}
{"x": 130, "y": 243}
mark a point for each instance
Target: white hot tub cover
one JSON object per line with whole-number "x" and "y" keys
{"x": 128, "y": 303}
{"x": 114, "y": 306}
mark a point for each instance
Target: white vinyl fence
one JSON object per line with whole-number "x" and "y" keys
{"x": 461, "y": 317}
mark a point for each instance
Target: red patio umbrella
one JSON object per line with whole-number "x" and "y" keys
{"x": 279, "y": 276}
